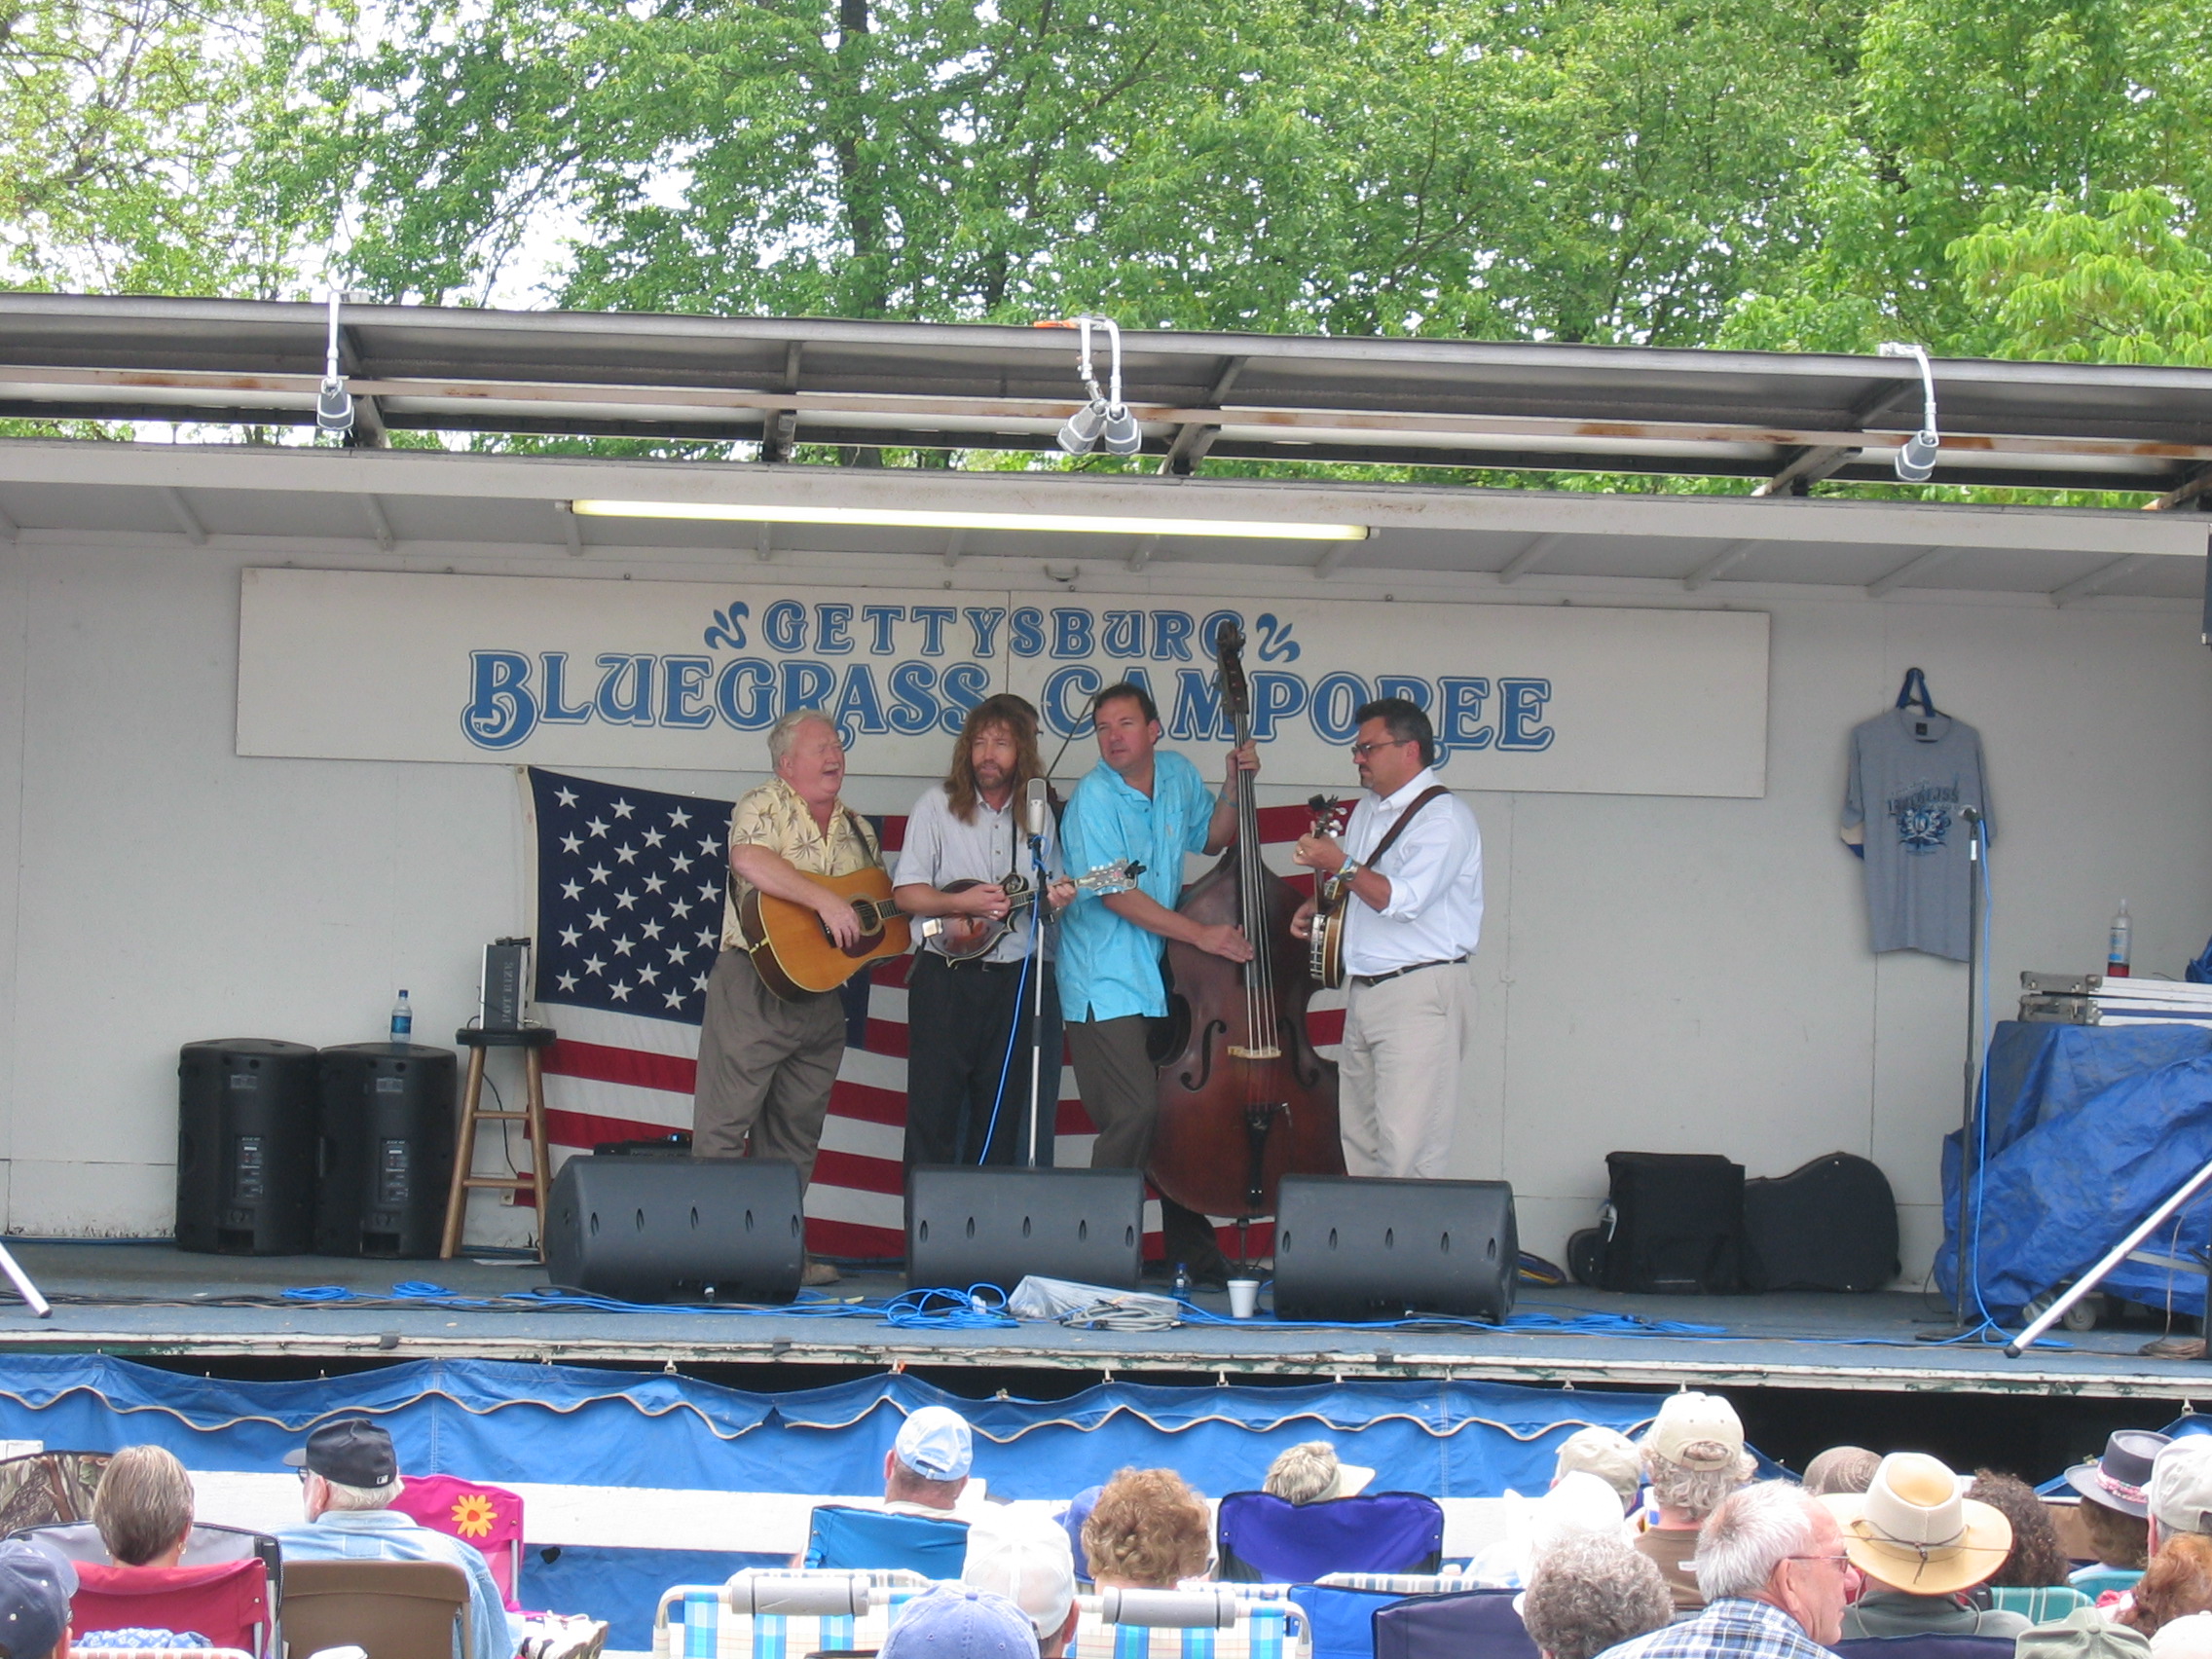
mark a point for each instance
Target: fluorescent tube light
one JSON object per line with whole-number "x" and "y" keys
{"x": 1099, "y": 524}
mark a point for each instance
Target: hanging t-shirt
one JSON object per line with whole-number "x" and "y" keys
{"x": 1910, "y": 773}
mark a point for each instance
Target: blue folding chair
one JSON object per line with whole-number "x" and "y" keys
{"x": 1264, "y": 1539}
{"x": 1340, "y": 1621}
{"x": 1474, "y": 1624}
{"x": 1932, "y": 1646}
{"x": 841, "y": 1536}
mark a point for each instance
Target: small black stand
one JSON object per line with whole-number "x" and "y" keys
{"x": 1040, "y": 909}
{"x": 1967, "y": 1268}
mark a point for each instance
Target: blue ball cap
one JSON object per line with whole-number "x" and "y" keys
{"x": 953, "y": 1621}
{"x": 936, "y": 1444}
{"x": 35, "y": 1588}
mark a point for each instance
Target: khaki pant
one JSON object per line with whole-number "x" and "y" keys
{"x": 765, "y": 1068}
{"x": 1403, "y": 1072}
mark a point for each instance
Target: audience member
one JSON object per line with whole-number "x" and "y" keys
{"x": 956, "y": 1621}
{"x": 349, "y": 1477}
{"x": 926, "y": 1469}
{"x": 1148, "y": 1530}
{"x": 1693, "y": 1457}
{"x": 1921, "y": 1544}
{"x": 2083, "y": 1634}
{"x": 2188, "y": 1636}
{"x": 2179, "y": 1498}
{"x": 2037, "y": 1561}
{"x": 144, "y": 1507}
{"x": 1310, "y": 1473}
{"x": 2114, "y": 1511}
{"x": 1772, "y": 1568}
{"x": 1578, "y": 1506}
{"x": 1589, "y": 1592}
{"x": 34, "y": 1602}
{"x": 1841, "y": 1468}
{"x": 1026, "y": 1558}
{"x": 1072, "y": 1520}
{"x": 2177, "y": 1583}
{"x": 1605, "y": 1453}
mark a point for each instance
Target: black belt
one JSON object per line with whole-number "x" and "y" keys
{"x": 988, "y": 965}
{"x": 1409, "y": 968}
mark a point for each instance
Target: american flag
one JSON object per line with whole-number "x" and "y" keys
{"x": 629, "y": 888}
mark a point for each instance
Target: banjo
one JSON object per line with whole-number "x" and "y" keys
{"x": 1325, "y": 941}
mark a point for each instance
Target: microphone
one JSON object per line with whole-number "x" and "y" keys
{"x": 1971, "y": 814}
{"x": 1036, "y": 807}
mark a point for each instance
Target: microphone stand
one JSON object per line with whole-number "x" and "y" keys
{"x": 1040, "y": 909}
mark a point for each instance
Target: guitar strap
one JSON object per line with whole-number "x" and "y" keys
{"x": 1404, "y": 818}
{"x": 860, "y": 831}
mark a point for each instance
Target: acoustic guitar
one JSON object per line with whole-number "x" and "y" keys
{"x": 797, "y": 958}
{"x": 1325, "y": 941}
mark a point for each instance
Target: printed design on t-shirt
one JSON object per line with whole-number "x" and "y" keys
{"x": 1923, "y": 815}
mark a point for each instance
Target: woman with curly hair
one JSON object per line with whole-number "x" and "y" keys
{"x": 2036, "y": 1560}
{"x": 1148, "y": 1530}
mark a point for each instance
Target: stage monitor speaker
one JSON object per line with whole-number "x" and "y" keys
{"x": 245, "y": 1146}
{"x": 677, "y": 1228}
{"x": 386, "y": 1153}
{"x": 1349, "y": 1247}
{"x": 967, "y": 1226}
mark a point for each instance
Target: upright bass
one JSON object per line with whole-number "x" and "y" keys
{"x": 1246, "y": 1100}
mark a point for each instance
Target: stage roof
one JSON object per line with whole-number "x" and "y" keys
{"x": 777, "y": 382}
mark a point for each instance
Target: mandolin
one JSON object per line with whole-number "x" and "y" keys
{"x": 962, "y": 937}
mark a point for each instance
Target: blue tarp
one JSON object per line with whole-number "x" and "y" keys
{"x": 2090, "y": 1129}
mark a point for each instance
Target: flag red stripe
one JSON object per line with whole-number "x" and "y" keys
{"x": 634, "y": 1066}
{"x": 589, "y": 1128}
{"x": 860, "y": 1175}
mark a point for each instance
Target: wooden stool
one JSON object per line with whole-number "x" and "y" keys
{"x": 531, "y": 1040}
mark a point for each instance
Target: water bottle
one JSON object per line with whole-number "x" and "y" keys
{"x": 402, "y": 1020}
{"x": 1182, "y": 1282}
{"x": 2117, "y": 952}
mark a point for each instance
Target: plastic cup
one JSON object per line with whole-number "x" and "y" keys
{"x": 1243, "y": 1298}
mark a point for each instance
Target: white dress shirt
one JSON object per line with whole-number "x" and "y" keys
{"x": 940, "y": 849}
{"x": 1435, "y": 871}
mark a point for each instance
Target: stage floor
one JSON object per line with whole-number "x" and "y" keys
{"x": 151, "y": 1301}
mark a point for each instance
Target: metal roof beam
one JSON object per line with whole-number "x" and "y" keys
{"x": 2188, "y": 490}
{"x": 1141, "y": 554}
{"x": 373, "y": 510}
{"x": 1193, "y": 438}
{"x": 1924, "y": 561}
{"x": 1720, "y": 563}
{"x": 779, "y": 428}
{"x": 1527, "y": 558}
{"x": 187, "y": 520}
{"x": 1810, "y": 466}
{"x": 368, "y": 429}
{"x": 571, "y": 529}
{"x": 2098, "y": 579}
{"x": 10, "y": 530}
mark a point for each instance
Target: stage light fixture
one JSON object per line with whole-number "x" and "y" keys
{"x": 1094, "y": 524}
{"x": 333, "y": 403}
{"x": 1916, "y": 459}
{"x": 1105, "y": 414}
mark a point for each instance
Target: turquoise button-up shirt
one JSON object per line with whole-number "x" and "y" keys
{"x": 1109, "y": 967}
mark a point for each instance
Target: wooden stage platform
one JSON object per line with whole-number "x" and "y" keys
{"x": 152, "y": 1302}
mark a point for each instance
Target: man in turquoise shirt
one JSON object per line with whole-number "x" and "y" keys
{"x": 1140, "y": 804}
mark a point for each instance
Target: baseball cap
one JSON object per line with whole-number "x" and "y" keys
{"x": 1071, "y": 1520}
{"x": 935, "y": 1443}
{"x": 1026, "y": 1559}
{"x": 2181, "y": 1486}
{"x": 2188, "y": 1636}
{"x": 1699, "y": 1421}
{"x": 2083, "y": 1634}
{"x": 34, "y": 1599}
{"x": 353, "y": 1452}
{"x": 1605, "y": 1453}
{"x": 957, "y": 1621}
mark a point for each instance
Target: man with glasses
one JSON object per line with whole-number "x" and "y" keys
{"x": 1772, "y": 1564}
{"x": 1412, "y": 921}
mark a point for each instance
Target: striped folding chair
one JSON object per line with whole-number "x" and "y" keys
{"x": 782, "y": 1614}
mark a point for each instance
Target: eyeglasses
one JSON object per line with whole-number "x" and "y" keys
{"x": 1361, "y": 751}
{"x": 1840, "y": 1557}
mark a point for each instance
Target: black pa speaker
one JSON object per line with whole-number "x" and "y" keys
{"x": 245, "y": 1146}
{"x": 386, "y": 1149}
{"x": 995, "y": 1226}
{"x": 677, "y": 1228}
{"x": 1350, "y": 1247}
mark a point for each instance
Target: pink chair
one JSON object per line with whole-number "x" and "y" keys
{"x": 488, "y": 1517}
{"x": 227, "y": 1603}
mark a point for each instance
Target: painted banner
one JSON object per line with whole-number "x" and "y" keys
{"x": 570, "y": 672}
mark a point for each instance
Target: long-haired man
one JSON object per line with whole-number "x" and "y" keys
{"x": 968, "y": 1059}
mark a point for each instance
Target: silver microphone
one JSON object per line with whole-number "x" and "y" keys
{"x": 1036, "y": 806}
{"x": 1971, "y": 814}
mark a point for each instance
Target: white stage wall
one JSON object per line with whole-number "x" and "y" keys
{"x": 1669, "y": 974}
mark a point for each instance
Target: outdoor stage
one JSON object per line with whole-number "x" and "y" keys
{"x": 152, "y": 1302}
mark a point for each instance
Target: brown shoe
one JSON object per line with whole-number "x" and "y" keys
{"x": 818, "y": 1273}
